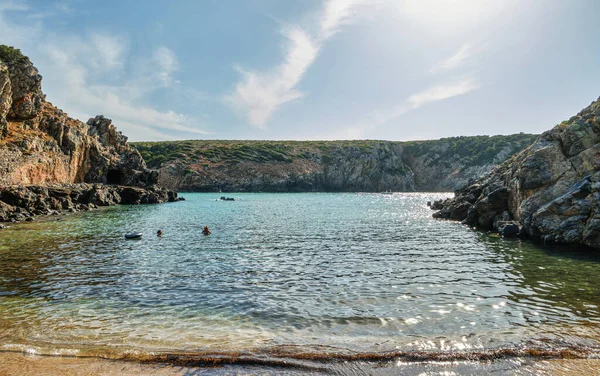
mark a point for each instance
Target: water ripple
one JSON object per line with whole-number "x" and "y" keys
{"x": 364, "y": 271}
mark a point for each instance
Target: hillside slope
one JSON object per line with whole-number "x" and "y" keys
{"x": 552, "y": 188}
{"x": 330, "y": 166}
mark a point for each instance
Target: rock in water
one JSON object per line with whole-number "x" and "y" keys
{"x": 509, "y": 229}
{"x": 552, "y": 188}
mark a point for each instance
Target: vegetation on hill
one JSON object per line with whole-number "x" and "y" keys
{"x": 297, "y": 166}
{"x": 471, "y": 151}
{"x": 11, "y": 54}
{"x": 475, "y": 150}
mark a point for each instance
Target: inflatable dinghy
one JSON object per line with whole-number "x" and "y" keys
{"x": 133, "y": 235}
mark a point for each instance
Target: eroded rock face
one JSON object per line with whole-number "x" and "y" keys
{"x": 336, "y": 166}
{"x": 552, "y": 188}
{"x": 112, "y": 160}
{"x": 47, "y": 146}
{"x": 5, "y": 98}
{"x": 46, "y": 156}
{"x": 26, "y": 84}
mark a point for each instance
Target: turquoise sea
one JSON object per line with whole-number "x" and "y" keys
{"x": 293, "y": 283}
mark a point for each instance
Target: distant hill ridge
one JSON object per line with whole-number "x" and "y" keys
{"x": 327, "y": 166}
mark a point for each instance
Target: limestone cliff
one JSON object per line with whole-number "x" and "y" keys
{"x": 41, "y": 145}
{"x": 334, "y": 166}
{"x": 552, "y": 188}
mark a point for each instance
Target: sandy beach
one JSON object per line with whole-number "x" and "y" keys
{"x": 17, "y": 364}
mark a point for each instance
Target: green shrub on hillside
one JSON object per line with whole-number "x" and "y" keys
{"x": 469, "y": 151}
{"x": 10, "y": 54}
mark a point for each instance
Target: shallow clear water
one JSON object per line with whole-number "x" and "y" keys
{"x": 286, "y": 273}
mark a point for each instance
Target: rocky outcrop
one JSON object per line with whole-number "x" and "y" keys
{"x": 26, "y": 85}
{"x": 41, "y": 146}
{"x": 5, "y": 98}
{"x": 551, "y": 188}
{"x": 18, "y": 203}
{"x": 344, "y": 170}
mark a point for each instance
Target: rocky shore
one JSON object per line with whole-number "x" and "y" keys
{"x": 51, "y": 163}
{"x": 551, "y": 190}
{"x": 23, "y": 203}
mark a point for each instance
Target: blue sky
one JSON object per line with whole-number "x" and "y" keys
{"x": 313, "y": 70}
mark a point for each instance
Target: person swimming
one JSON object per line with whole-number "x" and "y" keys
{"x": 206, "y": 231}
{"x": 159, "y": 233}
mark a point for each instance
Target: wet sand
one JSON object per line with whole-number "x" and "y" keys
{"x": 13, "y": 364}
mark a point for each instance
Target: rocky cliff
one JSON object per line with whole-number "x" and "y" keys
{"x": 41, "y": 146}
{"x": 551, "y": 189}
{"x": 334, "y": 166}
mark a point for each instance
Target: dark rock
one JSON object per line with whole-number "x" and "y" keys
{"x": 551, "y": 189}
{"x": 509, "y": 229}
{"x": 58, "y": 199}
{"x": 439, "y": 204}
{"x": 460, "y": 211}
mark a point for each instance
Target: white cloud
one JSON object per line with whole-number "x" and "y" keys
{"x": 117, "y": 102}
{"x": 440, "y": 92}
{"x": 336, "y": 14}
{"x": 96, "y": 74}
{"x": 454, "y": 61}
{"x": 167, "y": 63}
{"x": 413, "y": 102}
{"x": 259, "y": 94}
{"x": 106, "y": 52}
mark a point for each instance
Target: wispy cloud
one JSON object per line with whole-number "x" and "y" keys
{"x": 449, "y": 89}
{"x": 454, "y": 61}
{"x": 440, "y": 92}
{"x": 117, "y": 101}
{"x": 336, "y": 14}
{"x": 167, "y": 63}
{"x": 54, "y": 9}
{"x": 432, "y": 94}
{"x": 13, "y": 5}
{"x": 259, "y": 94}
{"x": 97, "y": 74}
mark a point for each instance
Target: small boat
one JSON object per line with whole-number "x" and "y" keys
{"x": 133, "y": 235}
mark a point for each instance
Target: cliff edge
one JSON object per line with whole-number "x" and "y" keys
{"x": 46, "y": 157}
{"x": 551, "y": 189}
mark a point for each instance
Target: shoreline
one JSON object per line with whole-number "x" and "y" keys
{"x": 17, "y": 363}
{"x": 26, "y": 203}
